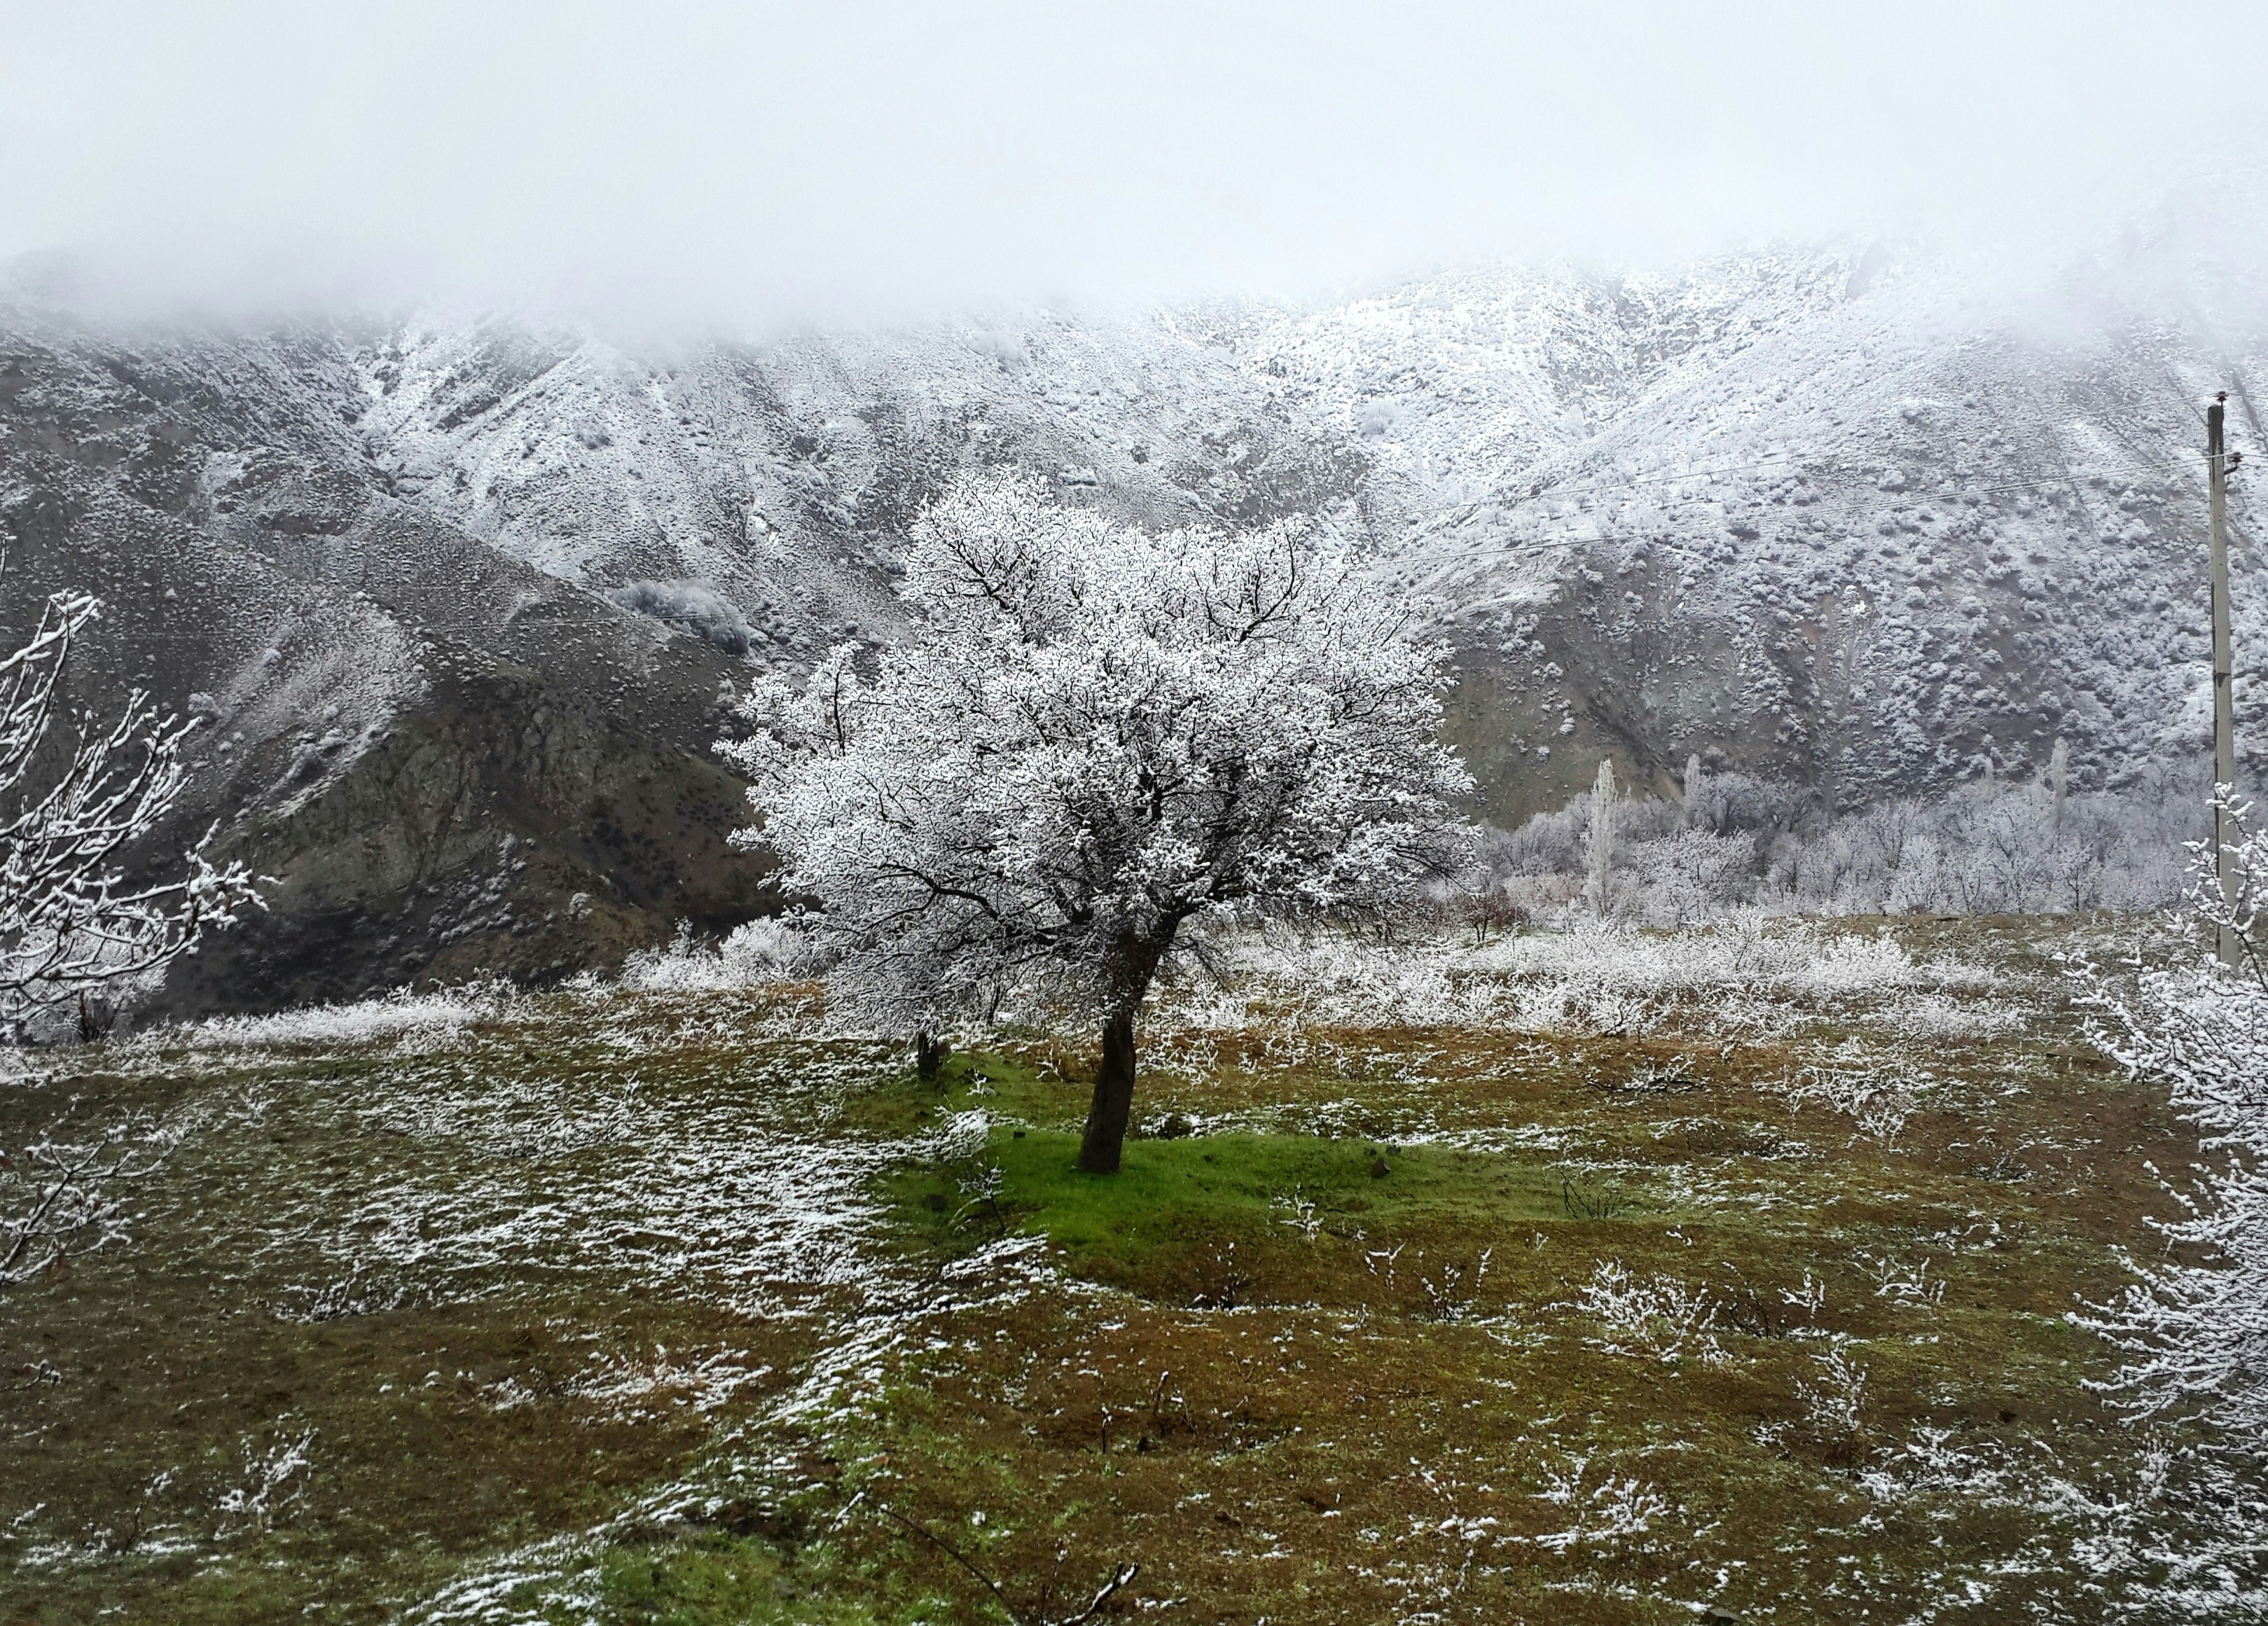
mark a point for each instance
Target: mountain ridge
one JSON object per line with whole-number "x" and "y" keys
{"x": 1831, "y": 515}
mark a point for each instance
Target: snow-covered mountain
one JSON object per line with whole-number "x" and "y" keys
{"x": 462, "y": 596}
{"x": 1828, "y": 514}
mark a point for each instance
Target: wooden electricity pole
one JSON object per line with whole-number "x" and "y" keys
{"x": 2224, "y": 709}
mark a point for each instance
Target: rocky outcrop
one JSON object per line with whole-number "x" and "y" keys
{"x": 499, "y": 826}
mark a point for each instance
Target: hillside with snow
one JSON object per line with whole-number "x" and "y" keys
{"x": 1832, "y": 516}
{"x": 462, "y": 597}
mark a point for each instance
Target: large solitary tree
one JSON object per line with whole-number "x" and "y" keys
{"x": 1096, "y": 735}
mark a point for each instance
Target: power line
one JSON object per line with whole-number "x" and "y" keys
{"x": 1821, "y": 461}
{"x": 1769, "y": 461}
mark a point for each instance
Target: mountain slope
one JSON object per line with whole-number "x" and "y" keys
{"x": 450, "y": 762}
{"x": 462, "y": 597}
{"x": 1920, "y": 544}
{"x": 1826, "y": 515}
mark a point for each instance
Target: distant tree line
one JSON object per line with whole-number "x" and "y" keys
{"x": 1735, "y": 842}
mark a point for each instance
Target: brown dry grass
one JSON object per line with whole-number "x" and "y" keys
{"x": 1318, "y": 1412}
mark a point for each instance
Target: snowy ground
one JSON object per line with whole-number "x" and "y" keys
{"x": 1717, "y": 1268}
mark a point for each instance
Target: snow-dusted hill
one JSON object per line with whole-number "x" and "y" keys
{"x": 1875, "y": 542}
{"x": 1849, "y": 520}
{"x": 1861, "y": 520}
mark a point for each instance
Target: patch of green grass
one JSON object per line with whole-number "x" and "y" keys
{"x": 1004, "y": 1085}
{"x": 1235, "y": 1218}
{"x": 1168, "y": 1190}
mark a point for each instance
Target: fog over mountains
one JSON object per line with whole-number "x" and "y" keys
{"x": 462, "y": 598}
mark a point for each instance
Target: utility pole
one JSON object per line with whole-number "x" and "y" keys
{"x": 2224, "y": 709}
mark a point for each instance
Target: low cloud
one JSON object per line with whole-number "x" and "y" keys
{"x": 758, "y": 165}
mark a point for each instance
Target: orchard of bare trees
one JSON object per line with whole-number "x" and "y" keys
{"x": 1735, "y": 842}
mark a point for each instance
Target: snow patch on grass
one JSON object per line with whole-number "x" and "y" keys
{"x": 415, "y": 1021}
{"x": 1744, "y": 979}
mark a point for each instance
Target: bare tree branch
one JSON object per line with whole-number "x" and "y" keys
{"x": 70, "y": 920}
{"x": 59, "y": 1197}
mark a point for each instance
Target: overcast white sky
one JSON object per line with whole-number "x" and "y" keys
{"x": 756, "y": 162}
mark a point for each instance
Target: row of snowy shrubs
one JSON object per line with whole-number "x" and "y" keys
{"x": 1748, "y": 973}
{"x": 1739, "y": 843}
{"x": 1751, "y": 976}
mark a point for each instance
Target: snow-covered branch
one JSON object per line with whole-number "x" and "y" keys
{"x": 59, "y": 1196}
{"x": 77, "y": 796}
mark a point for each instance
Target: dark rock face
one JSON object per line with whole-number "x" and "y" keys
{"x": 450, "y": 763}
{"x": 504, "y": 827}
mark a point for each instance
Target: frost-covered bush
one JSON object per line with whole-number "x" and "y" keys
{"x": 773, "y": 948}
{"x": 699, "y": 608}
{"x": 1742, "y": 844}
{"x": 1747, "y": 976}
{"x": 1658, "y": 1318}
{"x": 418, "y": 1020}
{"x": 766, "y": 951}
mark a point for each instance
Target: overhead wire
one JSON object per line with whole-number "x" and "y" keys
{"x": 1541, "y": 492}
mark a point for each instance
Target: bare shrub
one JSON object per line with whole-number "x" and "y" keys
{"x": 63, "y": 1195}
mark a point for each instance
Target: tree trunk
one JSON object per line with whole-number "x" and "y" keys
{"x": 1114, "y": 1097}
{"x": 1131, "y": 962}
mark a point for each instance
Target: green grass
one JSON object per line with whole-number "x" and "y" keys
{"x": 713, "y": 1579}
{"x": 1171, "y": 1194}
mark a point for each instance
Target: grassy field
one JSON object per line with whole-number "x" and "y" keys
{"x": 1567, "y": 1282}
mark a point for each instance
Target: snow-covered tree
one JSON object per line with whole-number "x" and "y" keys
{"x": 2193, "y": 1325}
{"x": 2058, "y": 780}
{"x": 1096, "y": 736}
{"x": 77, "y": 795}
{"x": 2197, "y": 1332}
